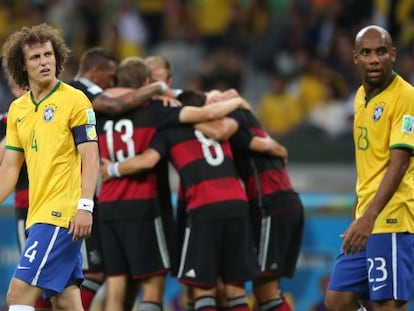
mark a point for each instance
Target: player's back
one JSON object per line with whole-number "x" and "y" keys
{"x": 206, "y": 169}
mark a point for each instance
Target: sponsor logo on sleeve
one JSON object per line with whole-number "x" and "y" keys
{"x": 407, "y": 124}
{"x": 90, "y": 115}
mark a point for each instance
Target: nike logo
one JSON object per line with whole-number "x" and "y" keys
{"x": 191, "y": 273}
{"x": 19, "y": 267}
{"x": 20, "y": 119}
{"x": 375, "y": 288}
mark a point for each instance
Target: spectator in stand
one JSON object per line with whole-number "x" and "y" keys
{"x": 279, "y": 111}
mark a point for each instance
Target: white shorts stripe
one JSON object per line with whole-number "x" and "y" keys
{"x": 184, "y": 251}
{"x": 394, "y": 265}
{"x": 162, "y": 244}
{"x": 49, "y": 249}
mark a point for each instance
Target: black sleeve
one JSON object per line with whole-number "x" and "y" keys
{"x": 166, "y": 116}
{"x": 160, "y": 143}
{"x": 240, "y": 141}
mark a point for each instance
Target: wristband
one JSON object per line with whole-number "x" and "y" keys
{"x": 164, "y": 86}
{"x": 86, "y": 205}
{"x": 113, "y": 170}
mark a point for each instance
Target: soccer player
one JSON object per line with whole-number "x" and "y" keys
{"x": 21, "y": 196}
{"x": 133, "y": 203}
{"x": 52, "y": 128}
{"x": 218, "y": 241}
{"x": 376, "y": 256}
{"x": 96, "y": 74}
{"x": 276, "y": 211}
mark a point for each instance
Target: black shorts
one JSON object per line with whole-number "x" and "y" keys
{"x": 135, "y": 247}
{"x": 92, "y": 259}
{"x": 278, "y": 240}
{"x": 220, "y": 248}
{"x": 21, "y": 215}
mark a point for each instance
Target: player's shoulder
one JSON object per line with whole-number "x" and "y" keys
{"x": 73, "y": 91}
{"x": 20, "y": 101}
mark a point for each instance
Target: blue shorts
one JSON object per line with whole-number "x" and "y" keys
{"x": 383, "y": 271}
{"x": 50, "y": 259}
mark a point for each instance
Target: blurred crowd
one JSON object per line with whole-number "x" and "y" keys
{"x": 291, "y": 58}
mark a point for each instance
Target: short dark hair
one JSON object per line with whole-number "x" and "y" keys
{"x": 95, "y": 56}
{"x": 192, "y": 98}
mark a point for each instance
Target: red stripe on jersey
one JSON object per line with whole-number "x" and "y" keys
{"x": 136, "y": 187}
{"x": 215, "y": 191}
{"x": 21, "y": 198}
{"x": 271, "y": 181}
{"x": 258, "y": 131}
{"x": 189, "y": 151}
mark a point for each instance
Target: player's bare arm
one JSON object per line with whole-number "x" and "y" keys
{"x": 213, "y": 111}
{"x": 9, "y": 172}
{"x": 141, "y": 162}
{"x": 356, "y": 236}
{"x": 81, "y": 225}
{"x": 221, "y": 129}
{"x": 118, "y": 100}
{"x": 269, "y": 146}
{"x": 2, "y": 148}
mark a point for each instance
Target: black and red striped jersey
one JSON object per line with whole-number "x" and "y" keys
{"x": 208, "y": 177}
{"x": 90, "y": 89}
{"x": 265, "y": 177}
{"x": 121, "y": 138}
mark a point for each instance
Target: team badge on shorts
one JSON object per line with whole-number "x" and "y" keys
{"x": 49, "y": 112}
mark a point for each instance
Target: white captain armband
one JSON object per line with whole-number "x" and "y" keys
{"x": 113, "y": 170}
{"x": 86, "y": 205}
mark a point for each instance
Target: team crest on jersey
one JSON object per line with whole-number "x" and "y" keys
{"x": 378, "y": 111}
{"x": 49, "y": 113}
{"x": 407, "y": 124}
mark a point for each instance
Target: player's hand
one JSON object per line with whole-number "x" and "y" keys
{"x": 245, "y": 105}
{"x": 168, "y": 101}
{"x": 104, "y": 169}
{"x": 356, "y": 237}
{"x": 81, "y": 225}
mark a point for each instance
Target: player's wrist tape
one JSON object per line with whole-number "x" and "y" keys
{"x": 86, "y": 205}
{"x": 113, "y": 170}
{"x": 163, "y": 85}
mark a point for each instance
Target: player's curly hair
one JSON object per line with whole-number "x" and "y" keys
{"x": 13, "y": 55}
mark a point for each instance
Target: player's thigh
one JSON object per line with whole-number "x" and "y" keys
{"x": 21, "y": 293}
{"x": 69, "y": 300}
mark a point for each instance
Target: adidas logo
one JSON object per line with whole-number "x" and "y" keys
{"x": 190, "y": 273}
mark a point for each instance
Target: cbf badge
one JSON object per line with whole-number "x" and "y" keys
{"x": 378, "y": 111}
{"x": 49, "y": 112}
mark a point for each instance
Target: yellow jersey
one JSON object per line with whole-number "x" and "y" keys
{"x": 383, "y": 122}
{"x": 44, "y": 132}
